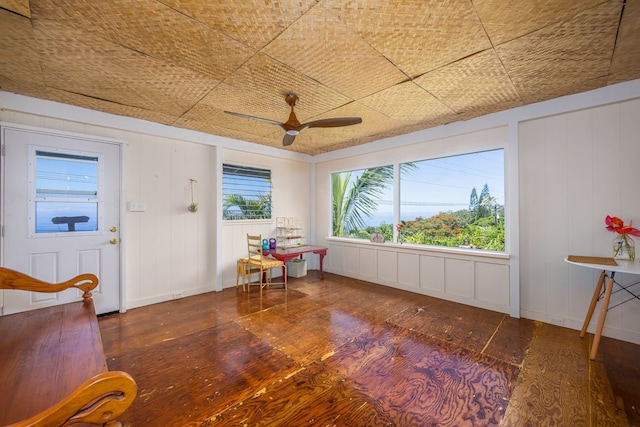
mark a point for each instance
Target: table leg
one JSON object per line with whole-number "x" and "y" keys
{"x": 592, "y": 306}
{"x": 285, "y": 260}
{"x": 603, "y": 315}
{"x": 321, "y": 272}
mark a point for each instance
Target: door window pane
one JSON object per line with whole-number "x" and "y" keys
{"x": 66, "y": 192}
{"x": 59, "y": 217}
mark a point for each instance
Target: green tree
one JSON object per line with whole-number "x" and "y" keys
{"x": 483, "y": 234}
{"x": 465, "y": 217}
{"x": 456, "y": 229}
{"x": 352, "y": 203}
{"x": 236, "y": 206}
{"x": 484, "y": 202}
{"x": 473, "y": 202}
{"x": 385, "y": 229}
{"x": 353, "y": 200}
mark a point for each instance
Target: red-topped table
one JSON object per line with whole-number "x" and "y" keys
{"x": 286, "y": 255}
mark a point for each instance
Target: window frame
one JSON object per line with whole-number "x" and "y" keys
{"x": 34, "y": 199}
{"x": 362, "y": 170}
{"x": 267, "y": 175}
{"x": 504, "y": 210}
{"x": 409, "y": 156}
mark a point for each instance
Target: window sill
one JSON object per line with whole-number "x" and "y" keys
{"x": 247, "y": 221}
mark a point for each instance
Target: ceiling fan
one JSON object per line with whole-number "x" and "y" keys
{"x": 293, "y": 127}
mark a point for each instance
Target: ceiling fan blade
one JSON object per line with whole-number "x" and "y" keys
{"x": 288, "y": 139}
{"x": 293, "y": 127}
{"x": 245, "y": 116}
{"x": 333, "y": 123}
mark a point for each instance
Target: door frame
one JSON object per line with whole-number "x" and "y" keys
{"x": 121, "y": 207}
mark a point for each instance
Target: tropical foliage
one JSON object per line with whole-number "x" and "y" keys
{"x": 446, "y": 229}
{"x": 356, "y": 195}
{"x": 480, "y": 226}
{"x": 246, "y": 192}
{"x": 353, "y": 200}
{"x": 236, "y": 206}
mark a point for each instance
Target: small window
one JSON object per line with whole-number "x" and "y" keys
{"x": 246, "y": 193}
{"x": 66, "y": 192}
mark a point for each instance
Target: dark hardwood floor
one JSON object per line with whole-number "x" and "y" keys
{"x": 342, "y": 352}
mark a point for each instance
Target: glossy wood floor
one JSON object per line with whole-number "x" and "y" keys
{"x": 342, "y": 352}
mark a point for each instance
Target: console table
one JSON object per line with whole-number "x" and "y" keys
{"x": 609, "y": 267}
{"x": 286, "y": 255}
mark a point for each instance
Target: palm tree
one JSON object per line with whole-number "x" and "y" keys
{"x": 247, "y": 208}
{"x": 350, "y": 204}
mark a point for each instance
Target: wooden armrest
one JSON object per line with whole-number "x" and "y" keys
{"x": 11, "y": 279}
{"x": 100, "y": 400}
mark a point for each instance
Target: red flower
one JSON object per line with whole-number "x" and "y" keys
{"x": 616, "y": 225}
{"x": 400, "y": 226}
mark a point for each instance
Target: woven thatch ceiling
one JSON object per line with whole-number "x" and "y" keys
{"x": 401, "y": 65}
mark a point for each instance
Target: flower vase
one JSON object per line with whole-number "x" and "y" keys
{"x": 624, "y": 247}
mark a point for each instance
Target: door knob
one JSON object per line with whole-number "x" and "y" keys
{"x": 113, "y": 241}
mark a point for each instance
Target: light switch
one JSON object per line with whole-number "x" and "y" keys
{"x": 137, "y": 206}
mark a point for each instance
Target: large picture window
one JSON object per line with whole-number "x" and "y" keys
{"x": 455, "y": 201}
{"x": 246, "y": 193}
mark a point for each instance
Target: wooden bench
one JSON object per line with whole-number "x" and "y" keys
{"x": 52, "y": 366}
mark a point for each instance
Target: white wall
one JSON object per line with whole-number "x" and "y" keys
{"x": 577, "y": 168}
{"x": 291, "y": 196}
{"x": 167, "y": 251}
{"x": 170, "y": 252}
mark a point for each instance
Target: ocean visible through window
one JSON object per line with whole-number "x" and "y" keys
{"x": 66, "y": 192}
{"x": 454, "y": 201}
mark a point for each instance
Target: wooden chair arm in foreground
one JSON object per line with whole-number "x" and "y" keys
{"x": 100, "y": 400}
{"x": 53, "y": 369}
{"x": 11, "y": 279}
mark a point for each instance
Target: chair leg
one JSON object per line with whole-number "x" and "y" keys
{"x": 245, "y": 277}
{"x": 245, "y": 272}
{"x": 239, "y": 266}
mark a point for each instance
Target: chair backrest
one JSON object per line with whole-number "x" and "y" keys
{"x": 254, "y": 244}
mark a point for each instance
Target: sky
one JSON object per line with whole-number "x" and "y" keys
{"x": 445, "y": 184}
{"x": 57, "y": 179}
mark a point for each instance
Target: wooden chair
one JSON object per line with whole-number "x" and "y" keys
{"x": 264, "y": 265}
